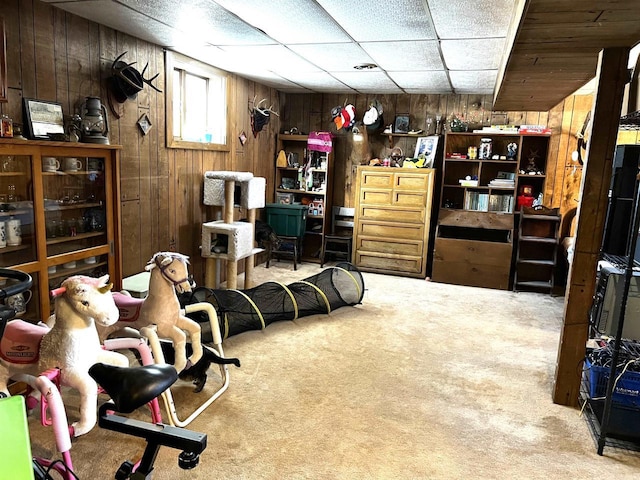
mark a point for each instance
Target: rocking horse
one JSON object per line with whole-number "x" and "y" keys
{"x": 70, "y": 345}
{"x": 160, "y": 310}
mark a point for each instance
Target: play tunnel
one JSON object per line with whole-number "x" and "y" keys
{"x": 255, "y": 308}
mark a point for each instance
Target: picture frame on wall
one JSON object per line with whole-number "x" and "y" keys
{"x": 401, "y": 124}
{"x": 427, "y": 146}
{"x": 42, "y": 118}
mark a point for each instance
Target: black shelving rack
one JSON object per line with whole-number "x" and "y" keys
{"x": 612, "y": 423}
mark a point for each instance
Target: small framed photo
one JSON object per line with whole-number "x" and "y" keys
{"x": 42, "y": 118}
{"x": 401, "y": 125}
{"x": 427, "y": 147}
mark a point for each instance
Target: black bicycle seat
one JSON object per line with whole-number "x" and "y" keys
{"x": 132, "y": 387}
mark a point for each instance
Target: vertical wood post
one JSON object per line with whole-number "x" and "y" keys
{"x": 611, "y": 76}
{"x": 249, "y": 261}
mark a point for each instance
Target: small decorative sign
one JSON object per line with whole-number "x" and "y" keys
{"x": 145, "y": 124}
{"x": 243, "y": 138}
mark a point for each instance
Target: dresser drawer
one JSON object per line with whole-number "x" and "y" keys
{"x": 376, "y": 179}
{"x": 410, "y": 198}
{"x": 405, "y": 264}
{"x": 411, "y": 181}
{"x": 389, "y": 246}
{"x": 375, "y": 197}
{"x": 391, "y": 230}
{"x": 392, "y": 214}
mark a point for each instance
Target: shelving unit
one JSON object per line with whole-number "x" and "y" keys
{"x": 537, "y": 253}
{"x": 478, "y": 203}
{"x": 609, "y": 395}
{"x": 69, "y": 221}
{"x": 292, "y": 183}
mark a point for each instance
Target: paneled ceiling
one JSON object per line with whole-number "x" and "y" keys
{"x": 418, "y": 46}
{"x": 556, "y": 49}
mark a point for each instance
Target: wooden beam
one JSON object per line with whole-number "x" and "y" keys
{"x": 611, "y": 77}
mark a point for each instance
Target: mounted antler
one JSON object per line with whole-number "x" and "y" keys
{"x": 126, "y": 81}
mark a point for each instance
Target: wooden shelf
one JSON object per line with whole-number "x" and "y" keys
{"x": 81, "y": 266}
{"x": 72, "y": 206}
{"x": 80, "y": 236}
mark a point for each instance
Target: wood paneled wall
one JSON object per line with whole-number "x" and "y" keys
{"x": 53, "y": 55}
{"x": 309, "y": 112}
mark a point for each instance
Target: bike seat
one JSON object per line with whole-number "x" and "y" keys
{"x": 21, "y": 342}
{"x": 129, "y": 307}
{"x": 132, "y": 387}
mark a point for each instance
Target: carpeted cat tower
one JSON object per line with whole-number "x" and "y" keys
{"x": 226, "y": 189}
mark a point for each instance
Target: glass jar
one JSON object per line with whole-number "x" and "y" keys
{"x": 484, "y": 151}
{"x": 7, "y": 126}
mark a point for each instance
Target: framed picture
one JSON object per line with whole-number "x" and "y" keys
{"x": 401, "y": 125}
{"x": 427, "y": 147}
{"x": 3, "y": 62}
{"x": 42, "y": 118}
{"x": 144, "y": 122}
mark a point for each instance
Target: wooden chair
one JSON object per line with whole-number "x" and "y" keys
{"x": 338, "y": 242}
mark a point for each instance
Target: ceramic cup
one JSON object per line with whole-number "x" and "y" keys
{"x": 94, "y": 165}
{"x": 19, "y": 302}
{"x": 14, "y": 232}
{"x": 50, "y": 164}
{"x": 71, "y": 164}
{"x": 3, "y": 234}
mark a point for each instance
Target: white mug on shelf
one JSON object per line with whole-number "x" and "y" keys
{"x": 50, "y": 164}
{"x": 71, "y": 164}
{"x": 3, "y": 234}
{"x": 14, "y": 232}
{"x": 19, "y": 302}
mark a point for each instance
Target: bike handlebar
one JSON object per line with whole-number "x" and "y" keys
{"x": 24, "y": 282}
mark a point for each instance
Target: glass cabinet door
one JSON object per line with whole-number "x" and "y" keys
{"x": 74, "y": 203}
{"x": 17, "y": 230}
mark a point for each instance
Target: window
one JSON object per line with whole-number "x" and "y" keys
{"x": 196, "y": 104}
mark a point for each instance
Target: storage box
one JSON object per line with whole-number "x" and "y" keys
{"x": 625, "y": 392}
{"x": 287, "y": 220}
{"x": 284, "y": 198}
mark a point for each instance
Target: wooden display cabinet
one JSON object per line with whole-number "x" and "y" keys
{"x": 60, "y": 211}
{"x": 478, "y": 203}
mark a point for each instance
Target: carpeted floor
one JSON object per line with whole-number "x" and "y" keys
{"x": 421, "y": 381}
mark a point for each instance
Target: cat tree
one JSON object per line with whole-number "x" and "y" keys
{"x": 224, "y": 189}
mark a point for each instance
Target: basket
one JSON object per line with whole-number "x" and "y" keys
{"x": 626, "y": 391}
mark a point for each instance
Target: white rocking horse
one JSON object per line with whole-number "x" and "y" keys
{"x": 160, "y": 310}
{"x": 71, "y": 344}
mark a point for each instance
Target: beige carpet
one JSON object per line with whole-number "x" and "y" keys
{"x": 421, "y": 381}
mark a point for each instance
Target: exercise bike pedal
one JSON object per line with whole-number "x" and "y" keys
{"x": 125, "y": 470}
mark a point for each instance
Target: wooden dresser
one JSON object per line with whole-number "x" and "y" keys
{"x": 393, "y": 210}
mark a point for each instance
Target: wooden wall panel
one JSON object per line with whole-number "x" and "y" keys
{"x": 58, "y": 55}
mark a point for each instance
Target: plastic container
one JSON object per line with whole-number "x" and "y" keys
{"x": 287, "y": 220}
{"x": 626, "y": 391}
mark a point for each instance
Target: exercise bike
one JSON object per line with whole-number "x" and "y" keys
{"x": 129, "y": 389}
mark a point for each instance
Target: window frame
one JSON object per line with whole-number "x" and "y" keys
{"x": 175, "y": 60}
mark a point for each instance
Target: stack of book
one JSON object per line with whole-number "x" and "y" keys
{"x": 503, "y": 183}
{"x": 501, "y": 203}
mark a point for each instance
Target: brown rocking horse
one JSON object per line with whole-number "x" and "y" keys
{"x": 160, "y": 310}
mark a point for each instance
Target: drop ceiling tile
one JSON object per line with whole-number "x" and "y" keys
{"x": 125, "y": 20}
{"x": 318, "y": 80}
{"x": 201, "y": 20}
{"x": 336, "y": 57}
{"x": 405, "y": 56}
{"x": 302, "y": 21}
{"x": 276, "y": 58}
{"x": 367, "y": 81}
{"x": 365, "y": 20}
{"x": 482, "y": 81}
{"x": 426, "y": 82}
{"x": 473, "y": 54}
{"x": 472, "y": 18}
